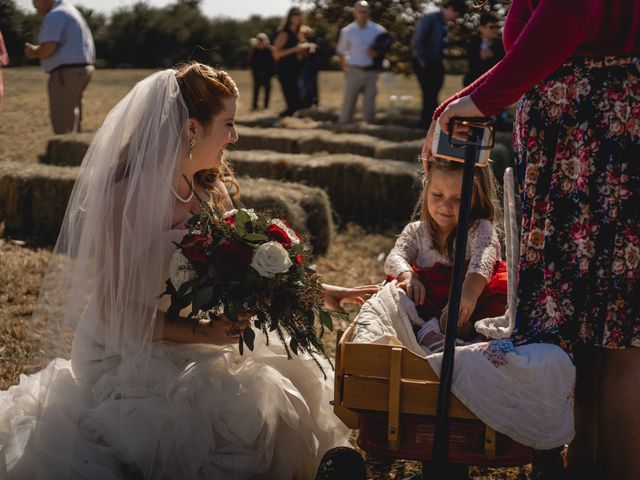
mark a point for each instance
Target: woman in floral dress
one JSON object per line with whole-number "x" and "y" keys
{"x": 577, "y": 144}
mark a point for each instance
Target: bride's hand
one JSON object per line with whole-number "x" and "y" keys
{"x": 225, "y": 331}
{"x": 335, "y": 296}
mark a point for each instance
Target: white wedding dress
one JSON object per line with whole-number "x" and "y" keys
{"x": 126, "y": 406}
{"x": 202, "y": 412}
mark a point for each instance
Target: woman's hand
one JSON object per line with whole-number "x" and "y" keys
{"x": 462, "y": 107}
{"x": 408, "y": 281}
{"x": 335, "y": 296}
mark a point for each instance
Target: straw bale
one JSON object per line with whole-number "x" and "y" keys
{"x": 318, "y": 114}
{"x": 306, "y": 208}
{"x": 33, "y": 199}
{"x": 403, "y": 151}
{"x": 356, "y": 144}
{"x": 393, "y": 133}
{"x": 67, "y": 150}
{"x": 278, "y": 140}
{"x": 372, "y": 193}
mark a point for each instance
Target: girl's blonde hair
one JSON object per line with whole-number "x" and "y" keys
{"x": 484, "y": 203}
{"x": 203, "y": 90}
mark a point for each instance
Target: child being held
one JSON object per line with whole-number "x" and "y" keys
{"x": 422, "y": 257}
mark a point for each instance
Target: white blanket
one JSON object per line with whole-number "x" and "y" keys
{"x": 523, "y": 392}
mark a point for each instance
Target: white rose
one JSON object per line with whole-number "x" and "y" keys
{"x": 249, "y": 211}
{"x": 271, "y": 258}
{"x": 180, "y": 270}
{"x": 293, "y": 236}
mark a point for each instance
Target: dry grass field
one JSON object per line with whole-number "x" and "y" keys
{"x": 355, "y": 256}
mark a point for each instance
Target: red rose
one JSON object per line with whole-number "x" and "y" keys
{"x": 276, "y": 234}
{"x": 194, "y": 247}
{"x": 299, "y": 259}
{"x": 290, "y": 227}
{"x": 231, "y": 259}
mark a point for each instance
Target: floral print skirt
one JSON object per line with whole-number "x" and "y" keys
{"x": 577, "y": 143}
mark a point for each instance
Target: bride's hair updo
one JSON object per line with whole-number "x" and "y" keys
{"x": 203, "y": 90}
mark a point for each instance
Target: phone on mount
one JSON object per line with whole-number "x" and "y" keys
{"x": 481, "y": 137}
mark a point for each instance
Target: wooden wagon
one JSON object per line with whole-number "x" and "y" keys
{"x": 390, "y": 394}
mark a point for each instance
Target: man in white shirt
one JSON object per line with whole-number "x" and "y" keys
{"x": 356, "y": 58}
{"x": 67, "y": 54}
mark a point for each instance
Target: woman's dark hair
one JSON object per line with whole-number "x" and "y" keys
{"x": 459, "y": 6}
{"x": 286, "y": 20}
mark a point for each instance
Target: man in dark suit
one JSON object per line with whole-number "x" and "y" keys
{"x": 427, "y": 48}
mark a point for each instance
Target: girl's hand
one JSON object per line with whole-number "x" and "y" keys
{"x": 335, "y": 296}
{"x": 462, "y": 107}
{"x": 467, "y": 306}
{"x": 408, "y": 281}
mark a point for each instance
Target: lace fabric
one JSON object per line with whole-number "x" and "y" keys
{"x": 415, "y": 247}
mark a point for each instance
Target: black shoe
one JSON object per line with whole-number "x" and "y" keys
{"x": 342, "y": 463}
{"x": 548, "y": 465}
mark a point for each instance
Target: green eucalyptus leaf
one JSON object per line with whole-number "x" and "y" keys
{"x": 326, "y": 320}
{"x": 249, "y": 336}
{"x": 255, "y": 237}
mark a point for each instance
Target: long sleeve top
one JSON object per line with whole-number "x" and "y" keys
{"x": 428, "y": 40}
{"x": 541, "y": 35}
{"x": 415, "y": 247}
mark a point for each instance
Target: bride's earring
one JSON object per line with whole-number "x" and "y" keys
{"x": 192, "y": 143}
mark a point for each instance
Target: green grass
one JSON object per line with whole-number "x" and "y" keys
{"x": 24, "y": 114}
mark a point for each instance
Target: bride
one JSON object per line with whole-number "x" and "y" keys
{"x": 142, "y": 397}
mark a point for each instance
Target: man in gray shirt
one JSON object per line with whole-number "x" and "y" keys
{"x": 67, "y": 54}
{"x": 356, "y": 58}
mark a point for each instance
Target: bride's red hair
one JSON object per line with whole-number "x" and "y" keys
{"x": 203, "y": 90}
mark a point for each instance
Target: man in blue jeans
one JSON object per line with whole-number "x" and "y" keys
{"x": 427, "y": 48}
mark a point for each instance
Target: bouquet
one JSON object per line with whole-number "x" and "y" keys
{"x": 243, "y": 261}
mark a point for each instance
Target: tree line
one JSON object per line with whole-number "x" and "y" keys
{"x": 145, "y": 36}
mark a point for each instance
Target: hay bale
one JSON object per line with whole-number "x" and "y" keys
{"x": 258, "y": 119}
{"x": 318, "y": 114}
{"x": 307, "y": 209}
{"x": 404, "y": 151}
{"x": 372, "y": 193}
{"x": 393, "y": 133}
{"x": 275, "y": 139}
{"x": 329, "y": 142}
{"x": 67, "y": 150}
{"x": 33, "y": 199}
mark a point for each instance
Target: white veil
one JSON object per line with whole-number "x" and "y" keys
{"x": 120, "y": 206}
{"x": 107, "y": 269}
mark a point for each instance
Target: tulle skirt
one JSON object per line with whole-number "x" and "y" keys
{"x": 191, "y": 412}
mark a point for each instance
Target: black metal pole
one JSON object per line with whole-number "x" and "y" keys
{"x": 439, "y": 461}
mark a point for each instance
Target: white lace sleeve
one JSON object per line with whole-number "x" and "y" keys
{"x": 404, "y": 252}
{"x": 484, "y": 249}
